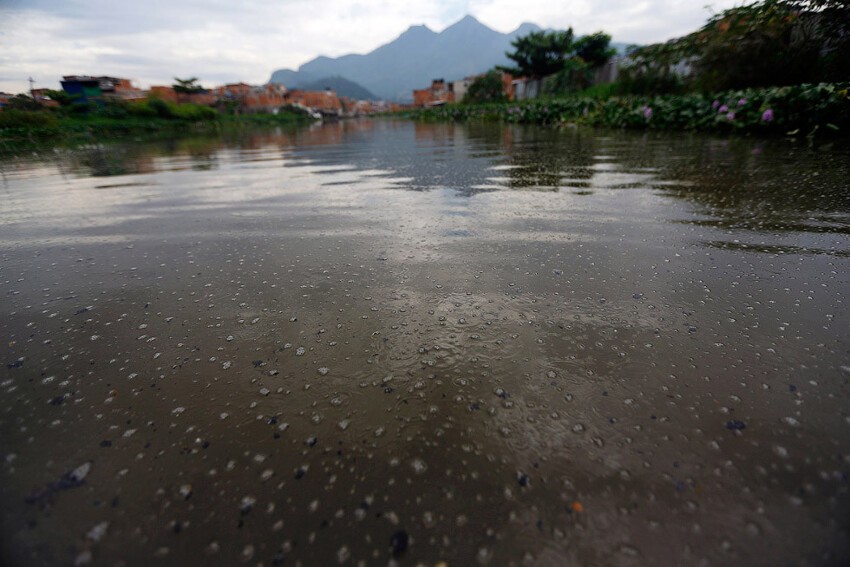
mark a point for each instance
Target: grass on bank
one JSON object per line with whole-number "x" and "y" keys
{"x": 148, "y": 116}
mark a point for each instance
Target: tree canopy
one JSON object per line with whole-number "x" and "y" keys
{"x": 486, "y": 88}
{"x": 767, "y": 43}
{"x": 569, "y": 62}
{"x": 540, "y": 54}
{"x": 594, "y": 49}
{"x": 187, "y": 85}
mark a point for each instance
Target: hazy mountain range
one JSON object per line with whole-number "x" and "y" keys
{"x": 411, "y": 61}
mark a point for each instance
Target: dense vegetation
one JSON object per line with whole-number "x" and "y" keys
{"x": 773, "y": 66}
{"x": 556, "y": 62}
{"x": 486, "y": 89}
{"x": 764, "y": 44}
{"x": 800, "y": 109}
{"x": 25, "y": 118}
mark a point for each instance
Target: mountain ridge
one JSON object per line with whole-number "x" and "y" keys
{"x": 413, "y": 59}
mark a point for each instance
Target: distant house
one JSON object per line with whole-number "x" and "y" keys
{"x": 248, "y": 98}
{"x": 325, "y": 102}
{"x": 96, "y": 89}
{"x": 4, "y": 100}
{"x": 437, "y": 94}
{"x": 84, "y": 89}
{"x": 233, "y": 90}
{"x": 42, "y": 97}
{"x": 167, "y": 93}
{"x": 265, "y": 98}
{"x": 525, "y": 88}
{"x": 163, "y": 92}
{"x": 461, "y": 86}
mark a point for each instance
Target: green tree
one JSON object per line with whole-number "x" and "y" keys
{"x": 595, "y": 49}
{"x": 23, "y": 102}
{"x": 187, "y": 86}
{"x": 486, "y": 88}
{"x": 63, "y": 98}
{"x": 540, "y": 54}
{"x": 568, "y": 62}
{"x": 589, "y": 54}
{"x": 766, "y": 43}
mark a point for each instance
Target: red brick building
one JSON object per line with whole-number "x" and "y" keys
{"x": 323, "y": 101}
{"x": 437, "y": 94}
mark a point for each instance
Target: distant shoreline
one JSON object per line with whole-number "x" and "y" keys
{"x": 41, "y": 127}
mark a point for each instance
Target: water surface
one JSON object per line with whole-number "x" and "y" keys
{"x": 385, "y": 342}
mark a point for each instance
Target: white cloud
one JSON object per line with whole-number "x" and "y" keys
{"x": 221, "y": 40}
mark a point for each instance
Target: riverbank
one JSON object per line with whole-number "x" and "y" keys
{"x": 23, "y": 126}
{"x": 804, "y": 110}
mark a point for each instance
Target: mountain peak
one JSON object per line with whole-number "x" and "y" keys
{"x": 465, "y": 23}
{"x": 393, "y": 70}
{"x": 526, "y": 28}
{"x": 468, "y": 19}
{"x": 421, "y": 29}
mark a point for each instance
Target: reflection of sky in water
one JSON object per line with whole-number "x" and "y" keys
{"x": 731, "y": 184}
{"x": 511, "y": 344}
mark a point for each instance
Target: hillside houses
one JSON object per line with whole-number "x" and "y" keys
{"x": 234, "y": 97}
{"x": 441, "y": 92}
{"x": 437, "y": 94}
{"x": 87, "y": 88}
{"x": 237, "y": 98}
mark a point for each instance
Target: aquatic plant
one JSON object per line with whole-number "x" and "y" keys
{"x": 778, "y": 110}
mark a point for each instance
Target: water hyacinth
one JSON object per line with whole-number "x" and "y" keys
{"x": 689, "y": 111}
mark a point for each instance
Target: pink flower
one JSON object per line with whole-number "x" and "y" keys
{"x": 715, "y": 104}
{"x": 730, "y": 116}
{"x": 767, "y": 115}
{"x": 742, "y": 102}
{"x": 723, "y": 109}
{"x": 647, "y": 112}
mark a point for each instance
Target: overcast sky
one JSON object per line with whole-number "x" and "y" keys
{"x": 153, "y": 41}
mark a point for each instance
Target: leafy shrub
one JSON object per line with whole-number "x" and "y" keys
{"x": 486, "y": 88}
{"x": 27, "y": 119}
{"x": 158, "y": 108}
{"x": 761, "y": 44}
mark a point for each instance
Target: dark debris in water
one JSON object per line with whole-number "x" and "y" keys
{"x": 735, "y": 425}
{"x": 399, "y": 543}
{"x": 44, "y": 496}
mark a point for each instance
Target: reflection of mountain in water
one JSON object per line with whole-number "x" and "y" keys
{"x": 739, "y": 185}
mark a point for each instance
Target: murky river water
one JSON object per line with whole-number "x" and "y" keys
{"x": 369, "y": 343}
